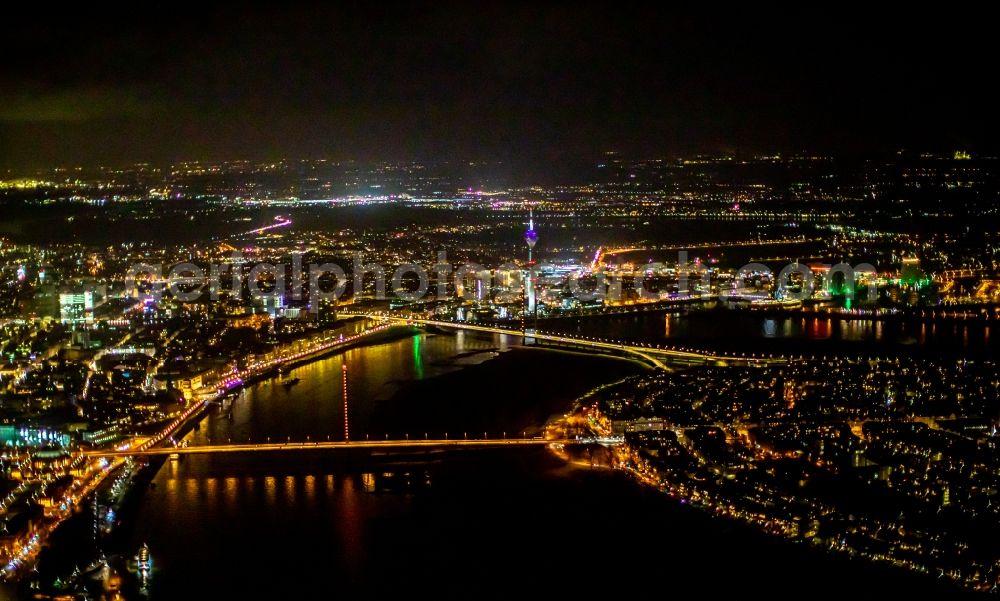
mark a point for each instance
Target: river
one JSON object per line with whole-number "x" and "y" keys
{"x": 706, "y": 326}
{"x": 460, "y": 524}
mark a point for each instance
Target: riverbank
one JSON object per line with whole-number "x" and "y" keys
{"x": 390, "y": 333}
{"x": 193, "y": 415}
{"x": 639, "y": 461}
{"x": 487, "y": 523}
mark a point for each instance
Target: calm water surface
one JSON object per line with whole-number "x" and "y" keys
{"x": 461, "y": 524}
{"x": 750, "y": 332}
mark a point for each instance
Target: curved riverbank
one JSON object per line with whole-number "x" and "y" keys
{"x": 482, "y": 523}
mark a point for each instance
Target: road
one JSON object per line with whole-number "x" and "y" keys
{"x": 99, "y": 465}
{"x": 340, "y": 445}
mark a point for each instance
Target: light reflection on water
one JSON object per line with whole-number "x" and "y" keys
{"x": 271, "y": 526}
{"x": 735, "y": 330}
{"x": 314, "y": 408}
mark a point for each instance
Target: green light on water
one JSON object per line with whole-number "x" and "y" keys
{"x": 418, "y": 358}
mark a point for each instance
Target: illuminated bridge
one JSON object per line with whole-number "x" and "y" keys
{"x": 651, "y": 353}
{"x": 343, "y": 445}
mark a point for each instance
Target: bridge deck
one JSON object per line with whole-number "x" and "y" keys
{"x": 650, "y": 353}
{"x": 333, "y": 445}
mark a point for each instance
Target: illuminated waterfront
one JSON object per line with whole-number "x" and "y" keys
{"x": 447, "y": 523}
{"x": 705, "y": 328}
{"x": 387, "y": 384}
{"x": 484, "y": 300}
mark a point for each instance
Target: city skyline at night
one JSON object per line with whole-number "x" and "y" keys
{"x": 498, "y": 301}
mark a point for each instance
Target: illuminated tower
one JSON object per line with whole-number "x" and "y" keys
{"x": 530, "y": 238}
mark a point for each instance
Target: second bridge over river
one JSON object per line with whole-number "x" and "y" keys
{"x": 344, "y": 445}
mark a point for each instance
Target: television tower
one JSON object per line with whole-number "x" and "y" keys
{"x": 530, "y": 238}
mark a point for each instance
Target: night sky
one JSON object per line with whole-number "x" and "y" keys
{"x": 489, "y": 81}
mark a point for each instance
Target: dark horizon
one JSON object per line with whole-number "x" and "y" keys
{"x": 507, "y": 83}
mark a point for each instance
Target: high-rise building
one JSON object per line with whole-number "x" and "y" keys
{"x": 273, "y": 303}
{"x": 77, "y": 306}
{"x": 46, "y": 301}
{"x": 326, "y": 310}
